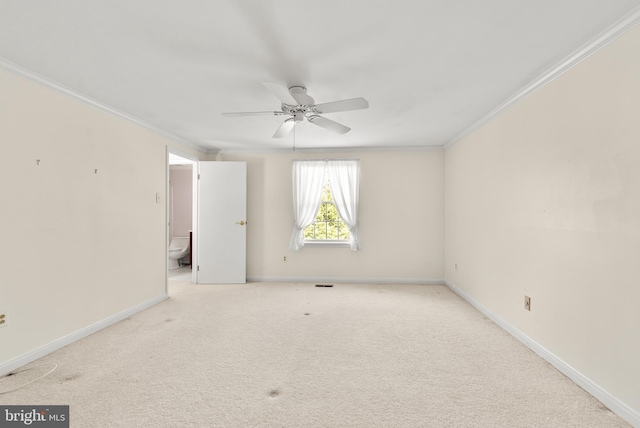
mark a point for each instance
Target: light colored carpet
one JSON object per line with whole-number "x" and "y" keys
{"x": 293, "y": 355}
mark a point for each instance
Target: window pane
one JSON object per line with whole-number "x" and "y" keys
{"x": 321, "y": 230}
{"x": 322, "y": 213}
{"x": 332, "y": 230}
{"x": 343, "y": 231}
{"x": 309, "y": 232}
{"x": 328, "y": 225}
{"x": 332, "y": 212}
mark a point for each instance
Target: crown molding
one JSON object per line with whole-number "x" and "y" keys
{"x": 354, "y": 149}
{"x": 611, "y": 33}
{"x": 34, "y": 77}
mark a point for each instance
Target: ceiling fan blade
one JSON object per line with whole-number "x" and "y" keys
{"x": 344, "y": 105}
{"x": 281, "y": 93}
{"x": 329, "y": 124}
{"x": 253, "y": 113}
{"x": 299, "y": 93}
{"x": 284, "y": 129}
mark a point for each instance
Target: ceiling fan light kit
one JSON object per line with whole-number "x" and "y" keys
{"x": 299, "y": 105}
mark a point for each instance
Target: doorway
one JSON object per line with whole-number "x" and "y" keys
{"x": 223, "y": 187}
{"x": 181, "y": 219}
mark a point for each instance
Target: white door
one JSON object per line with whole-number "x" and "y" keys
{"x": 222, "y": 230}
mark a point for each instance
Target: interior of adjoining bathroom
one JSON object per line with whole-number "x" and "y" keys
{"x": 180, "y": 216}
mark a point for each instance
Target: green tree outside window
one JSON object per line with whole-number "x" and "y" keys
{"x": 328, "y": 225}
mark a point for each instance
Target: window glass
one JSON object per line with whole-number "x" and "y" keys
{"x": 328, "y": 225}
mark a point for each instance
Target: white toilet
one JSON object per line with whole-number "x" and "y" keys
{"x": 178, "y": 250}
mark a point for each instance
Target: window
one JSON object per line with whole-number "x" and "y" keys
{"x": 325, "y": 202}
{"x": 328, "y": 225}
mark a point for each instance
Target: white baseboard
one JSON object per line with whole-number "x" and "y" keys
{"x": 617, "y": 406}
{"x": 347, "y": 280}
{"x": 9, "y": 366}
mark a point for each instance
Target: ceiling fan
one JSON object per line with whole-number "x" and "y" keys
{"x": 297, "y": 104}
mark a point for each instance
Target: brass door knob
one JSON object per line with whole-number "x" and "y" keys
{"x": 241, "y": 222}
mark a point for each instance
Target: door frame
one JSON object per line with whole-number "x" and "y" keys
{"x": 194, "y": 220}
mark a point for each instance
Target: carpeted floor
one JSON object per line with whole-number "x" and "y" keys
{"x": 294, "y": 355}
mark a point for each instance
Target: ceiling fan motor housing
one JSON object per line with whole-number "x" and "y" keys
{"x": 305, "y": 106}
{"x": 299, "y": 111}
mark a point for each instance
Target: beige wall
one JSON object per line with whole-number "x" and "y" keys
{"x": 544, "y": 201}
{"x": 78, "y": 246}
{"x": 401, "y": 219}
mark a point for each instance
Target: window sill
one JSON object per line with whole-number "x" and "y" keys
{"x": 326, "y": 243}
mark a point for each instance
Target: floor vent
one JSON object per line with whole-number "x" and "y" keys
{"x": 324, "y": 285}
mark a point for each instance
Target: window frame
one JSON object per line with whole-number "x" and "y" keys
{"x": 307, "y": 178}
{"x": 328, "y": 242}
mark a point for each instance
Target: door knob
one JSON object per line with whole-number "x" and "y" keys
{"x": 241, "y": 222}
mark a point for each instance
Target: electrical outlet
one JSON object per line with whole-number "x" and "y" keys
{"x": 284, "y": 259}
{"x": 527, "y": 303}
{"x": 456, "y": 265}
{"x": 3, "y": 320}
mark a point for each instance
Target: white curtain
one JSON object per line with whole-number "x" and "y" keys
{"x": 343, "y": 178}
{"x": 308, "y": 179}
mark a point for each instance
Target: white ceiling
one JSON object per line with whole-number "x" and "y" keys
{"x": 430, "y": 69}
